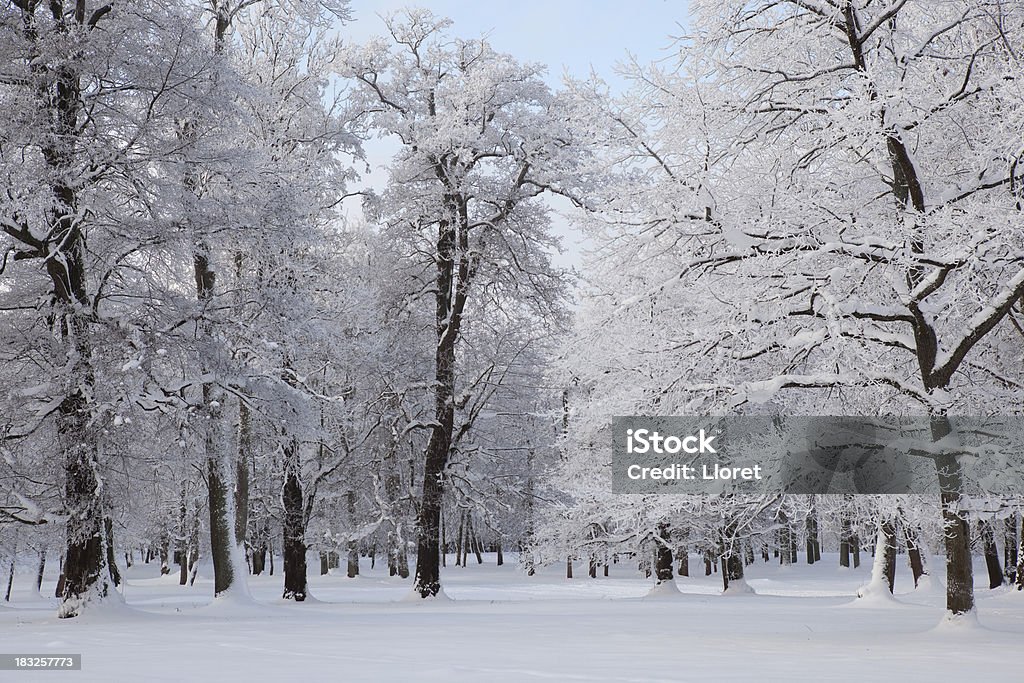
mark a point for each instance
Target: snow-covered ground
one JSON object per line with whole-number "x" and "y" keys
{"x": 500, "y": 625}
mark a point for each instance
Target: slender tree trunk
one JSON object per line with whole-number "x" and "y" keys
{"x": 683, "y": 553}
{"x": 988, "y": 539}
{"x": 41, "y": 570}
{"x": 115, "y": 575}
{"x": 242, "y": 468}
{"x": 855, "y": 546}
{"x": 914, "y": 555}
{"x": 459, "y": 539}
{"x": 352, "y": 564}
{"x": 294, "y": 527}
{"x": 452, "y": 289}
{"x": 1010, "y": 547}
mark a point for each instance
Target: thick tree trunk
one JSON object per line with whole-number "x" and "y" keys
{"x": 813, "y": 543}
{"x": 888, "y": 531}
{"x": 222, "y": 519}
{"x": 663, "y": 554}
{"x": 730, "y": 556}
{"x": 957, "y": 536}
{"x": 786, "y": 541}
{"x": 294, "y": 528}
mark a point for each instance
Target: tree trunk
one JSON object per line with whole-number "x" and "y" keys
{"x": 452, "y": 289}
{"x": 845, "y": 535}
{"x": 1010, "y": 547}
{"x": 988, "y": 539}
{"x": 41, "y": 570}
{"x": 352, "y": 564}
{"x": 242, "y": 469}
{"x": 221, "y": 498}
{"x": 115, "y": 575}
{"x": 294, "y": 527}
{"x": 785, "y": 539}
{"x": 568, "y": 567}
{"x": 813, "y": 544}
{"x": 683, "y": 553}
{"x": 855, "y": 546}
{"x": 914, "y": 555}
{"x": 663, "y": 554}
{"x": 459, "y": 538}
{"x": 957, "y": 536}
{"x": 731, "y": 558}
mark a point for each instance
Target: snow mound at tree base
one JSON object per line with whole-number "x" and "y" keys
{"x": 959, "y": 623}
{"x": 739, "y": 587}
{"x": 664, "y": 590}
{"x": 875, "y": 594}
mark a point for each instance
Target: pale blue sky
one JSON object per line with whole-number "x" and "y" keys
{"x": 564, "y": 34}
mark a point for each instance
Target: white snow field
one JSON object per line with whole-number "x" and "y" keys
{"x": 498, "y": 624}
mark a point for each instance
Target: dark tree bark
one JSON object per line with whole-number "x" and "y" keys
{"x": 731, "y": 559}
{"x": 41, "y": 570}
{"x": 988, "y": 539}
{"x": 813, "y": 542}
{"x": 1010, "y": 547}
{"x": 663, "y": 554}
{"x": 115, "y": 575}
{"x": 242, "y": 469}
{"x": 568, "y": 567}
{"x": 294, "y": 528}
{"x": 845, "y": 540}
{"x": 786, "y": 540}
{"x": 352, "y": 564}
{"x": 888, "y": 532}
{"x": 914, "y": 555}
{"x": 459, "y": 539}
{"x": 452, "y": 288}
{"x": 683, "y": 553}
{"x": 957, "y": 536}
